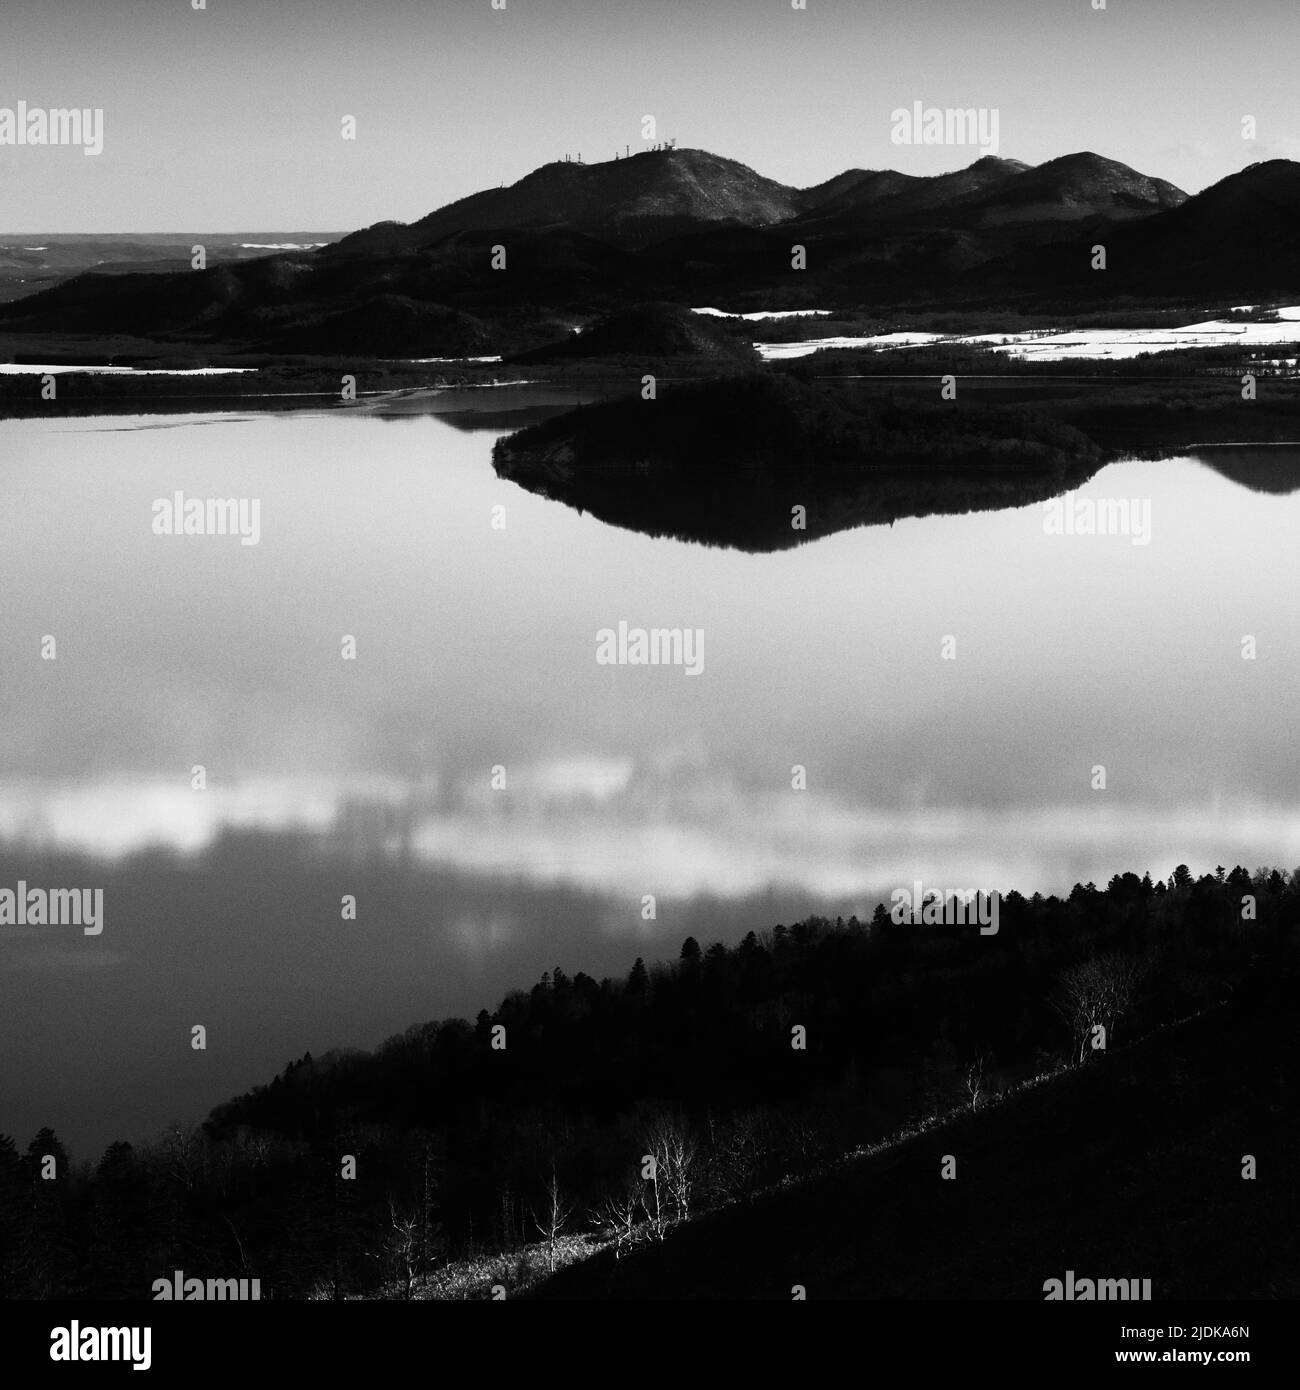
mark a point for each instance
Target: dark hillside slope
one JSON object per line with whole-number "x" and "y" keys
{"x": 1130, "y": 1168}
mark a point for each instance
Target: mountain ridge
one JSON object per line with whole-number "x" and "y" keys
{"x": 689, "y": 227}
{"x": 642, "y": 197}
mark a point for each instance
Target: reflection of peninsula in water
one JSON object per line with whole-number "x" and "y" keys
{"x": 1271, "y": 468}
{"x": 729, "y": 462}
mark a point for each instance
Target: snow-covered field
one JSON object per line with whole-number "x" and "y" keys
{"x": 774, "y": 352}
{"x": 1090, "y": 344}
{"x": 26, "y": 368}
{"x": 768, "y": 314}
{"x": 447, "y": 359}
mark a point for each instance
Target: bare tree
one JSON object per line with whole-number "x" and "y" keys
{"x": 617, "y": 1214}
{"x": 243, "y": 1258}
{"x": 184, "y": 1154}
{"x": 653, "y": 1202}
{"x": 1096, "y": 993}
{"x": 402, "y": 1248}
{"x": 975, "y": 1079}
{"x": 258, "y": 1146}
{"x": 736, "y": 1154}
{"x": 672, "y": 1145}
{"x": 553, "y": 1217}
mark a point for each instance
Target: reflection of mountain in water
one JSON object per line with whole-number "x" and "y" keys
{"x": 729, "y": 462}
{"x": 1271, "y": 468}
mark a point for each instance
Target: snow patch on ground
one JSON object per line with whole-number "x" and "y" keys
{"x": 26, "y": 368}
{"x": 775, "y": 352}
{"x": 768, "y": 314}
{"x": 422, "y": 360}
{"x": 1090, "y": 344}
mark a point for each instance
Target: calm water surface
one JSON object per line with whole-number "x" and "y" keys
{"x": 476, "y": 649}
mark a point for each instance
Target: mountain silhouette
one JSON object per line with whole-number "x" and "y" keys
{"x": 1242, "y": 231}
{"x": 629, "y": 202}
{"x": 690, "y": 227}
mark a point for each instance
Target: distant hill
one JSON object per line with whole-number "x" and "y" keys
{"x": 630, "y": 202}
{"x": 1243, "y": 230}
{"x": 442, "y": 302}
{"x": 856, "y": 184}
{"x": 36, "y": 262}
{"x": 887, "y": 196}
{"x": 1240, "y": 235}
{"x": 1081, "y": 185}
{"x": 1262, "y": 200}
{"x": 689, "y": 227}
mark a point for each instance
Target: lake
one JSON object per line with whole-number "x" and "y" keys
{"x": 497, "y": 800}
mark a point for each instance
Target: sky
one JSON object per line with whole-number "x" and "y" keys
{"x": 230, "y": 118}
